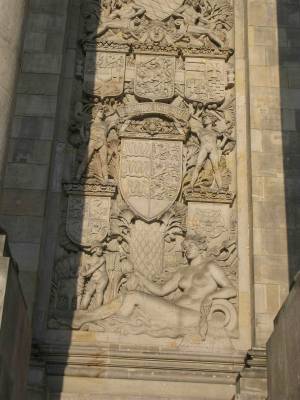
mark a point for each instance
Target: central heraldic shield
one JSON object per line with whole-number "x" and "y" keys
{"x": 150, "y": 175}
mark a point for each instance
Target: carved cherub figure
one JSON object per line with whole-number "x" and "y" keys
{"x": 125, "y": 15}
{"x": 208, "y": 138}
{"x": 192, "y": 22}
{"x": 96, "y": 149}
{"x": 196, "y": 31}
{"x": 94, "y": 277}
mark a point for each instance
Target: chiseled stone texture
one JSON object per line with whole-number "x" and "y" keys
{"x": 29, "y": 148}
{"x": 15, "y": 335}
{"x": 284, "y": 349}
{"x": 134, "y": 389}
{"x": 273, "y": 35}
{"x": 11, "y": 29}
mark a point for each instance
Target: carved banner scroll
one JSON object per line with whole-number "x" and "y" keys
{"x": 155, "y": 77}
{"x": 87, "y": 219}
{"x": 205, "y": 80}
{"x": 104, "y": 73}
{"x": 150, "y": 175}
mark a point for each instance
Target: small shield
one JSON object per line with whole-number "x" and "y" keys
{"x": 205, "y": 80}
{"x": 150, "y": 175}
{"x": 87, "y": 219}
{"x": 157, "y": 10}
{"x": 154, "y": 77}
{"x": 104, "y": 73}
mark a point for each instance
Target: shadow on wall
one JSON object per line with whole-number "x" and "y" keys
{"x": 288, "y": 16}
{"x": 69, "y": 273}
{"x": 15, "y": 335}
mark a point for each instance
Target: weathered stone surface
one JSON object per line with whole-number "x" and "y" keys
{"x": 35, "y": 41}
{"x": 46, "y": 84}
{"x": 10, "y": 45}
{"x": 15, "y": 337}
{"x": 36, "y": 105}
{"x": 41, "y": 128}
{"x": 29, "y": 151}
{"x": 23, "y": 229}
{"x": 284, "y": 349}
{"x": 141, "y": 177}
{"x": 23, "y": 202}
{"x": 46, "y": 63}
{"x": 26, "y": 176}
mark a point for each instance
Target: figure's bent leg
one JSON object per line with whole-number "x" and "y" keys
{"x": 199, "y": 164}
{"x": 100, "y": 288}
{"x": 214, "y": 158}
{"x": 86, "y": 298}
{"x": 103, "y": 157}
{"x": 131, "y": 300}
{"x": 214, "y": 38}
{"x": 105, "y": 311}
{"x": 84, "y": 163}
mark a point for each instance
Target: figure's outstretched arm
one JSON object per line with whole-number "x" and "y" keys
{"x": 167, "y": 288}
{"x": 139, "y": 11}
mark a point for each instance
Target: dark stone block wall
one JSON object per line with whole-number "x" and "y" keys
{"x": 284, "y": 349}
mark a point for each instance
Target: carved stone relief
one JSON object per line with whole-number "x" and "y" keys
{"x": 149, "y": 242}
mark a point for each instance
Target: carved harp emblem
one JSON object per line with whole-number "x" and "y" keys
{"x": 104, "y": 73}
{"x": 154, "y": 77}
{"x": 150, "y": 175}
{"x": 87, "y": 219}
{"x": 205, "y": 80}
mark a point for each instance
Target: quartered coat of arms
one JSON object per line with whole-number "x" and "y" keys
{"x": 150, "y": 175}
{"x": 148, "y": 240}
